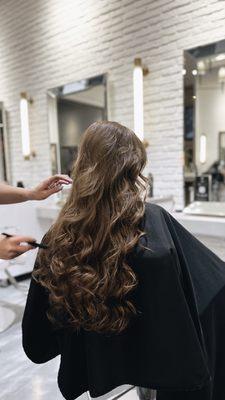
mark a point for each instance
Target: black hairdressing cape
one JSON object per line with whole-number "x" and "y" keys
{"x": 176, "y": 344}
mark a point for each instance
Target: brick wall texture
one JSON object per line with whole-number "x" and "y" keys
{"x": 44, "y": 44}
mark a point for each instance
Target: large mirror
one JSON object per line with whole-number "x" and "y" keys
{"x": 4, "y": 151}
{"x": 71, "y": 109}
{"x": 204, "y": 123}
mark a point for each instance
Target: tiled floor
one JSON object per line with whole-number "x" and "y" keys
{"x": 20, "y": 379}
{"x": 217, "y": 245}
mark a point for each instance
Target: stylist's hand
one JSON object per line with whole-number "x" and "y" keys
{"x": 11, "y": 247}
{"x": 48, "y": 187}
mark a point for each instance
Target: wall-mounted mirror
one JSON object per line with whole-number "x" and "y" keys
{"x": 71, "y": 109}
{"x": 204, "y": 123}
{"x": 4, "y": 151}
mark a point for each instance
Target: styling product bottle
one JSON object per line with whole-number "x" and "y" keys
{"x": 203, "y": 187}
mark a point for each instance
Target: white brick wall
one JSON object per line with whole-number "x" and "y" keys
{"x": 48, "y": 43}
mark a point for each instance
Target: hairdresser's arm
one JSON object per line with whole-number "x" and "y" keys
{"x": 11, "y": 247}
{"x": 10, "y": 194}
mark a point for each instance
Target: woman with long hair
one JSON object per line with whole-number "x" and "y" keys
{"x": 123, "y": 292}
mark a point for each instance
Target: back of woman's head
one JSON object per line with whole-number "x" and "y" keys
{"x": 85, "y": 269}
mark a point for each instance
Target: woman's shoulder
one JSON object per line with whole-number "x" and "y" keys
{"x": 154, "y": 210}
{"x": 154, "y": 225}
{"x": 153, "y": 206}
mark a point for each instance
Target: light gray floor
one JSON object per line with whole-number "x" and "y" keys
{"x": 217, "y": 245}
{"x": 20, "y": 379}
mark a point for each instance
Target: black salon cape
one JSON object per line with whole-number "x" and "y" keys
{"x": 176, "y": 344}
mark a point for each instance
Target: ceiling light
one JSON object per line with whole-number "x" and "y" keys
{"x": 220, "y": 57}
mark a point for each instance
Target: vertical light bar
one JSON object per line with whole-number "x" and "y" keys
{"x": 25, "y": 131}
{"x": 202, "y": 149}
{"x": 138, "y": 99}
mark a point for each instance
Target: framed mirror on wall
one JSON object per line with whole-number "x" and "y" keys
{"x": 4, "y": 150}
{"x": 71, "y": 109}
{"x": 222, "y": 146}
{"x": 204, "y": 123}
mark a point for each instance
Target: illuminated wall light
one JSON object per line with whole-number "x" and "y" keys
{"x": 138, "y": 99}
{"x": 138, "y": 73}
{"x": 202, "y": 149}
{"x": 201, "y": 68}
{"x": 25, "y": 130}
{"x": 194, "y": 72}
{"x": 221, "y": 77}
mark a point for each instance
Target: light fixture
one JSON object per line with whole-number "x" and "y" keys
{"x": 25, "y": 129}
{"x": 202, "y": 149}
{"x": 201, "y": 68}
{"x": 184, "y": 72}
{"x": 138, "y": 73}
{"x": 220, "y": 57}
{"x": 221, "y": 77}
{"x": 194, "y": 72}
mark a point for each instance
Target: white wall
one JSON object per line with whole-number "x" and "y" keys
{"x": 44, "y": 44}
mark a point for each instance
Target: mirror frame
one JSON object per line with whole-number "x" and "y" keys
{"x": 67, "y": 89}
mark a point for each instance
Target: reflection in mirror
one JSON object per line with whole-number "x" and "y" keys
{"x": 71, "y": 109}
{"x": 204, "y": 123}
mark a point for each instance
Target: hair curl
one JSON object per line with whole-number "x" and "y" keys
{"x": 85, "y": 268}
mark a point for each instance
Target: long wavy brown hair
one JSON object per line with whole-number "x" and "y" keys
{"x": 85, "y": 268}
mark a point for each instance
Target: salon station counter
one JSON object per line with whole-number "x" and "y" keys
{"x": 35, "y": 218}
{"x": 50, "y": 211}
{"x": 210, "y": 229}
{"x": 209, "y": 225}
